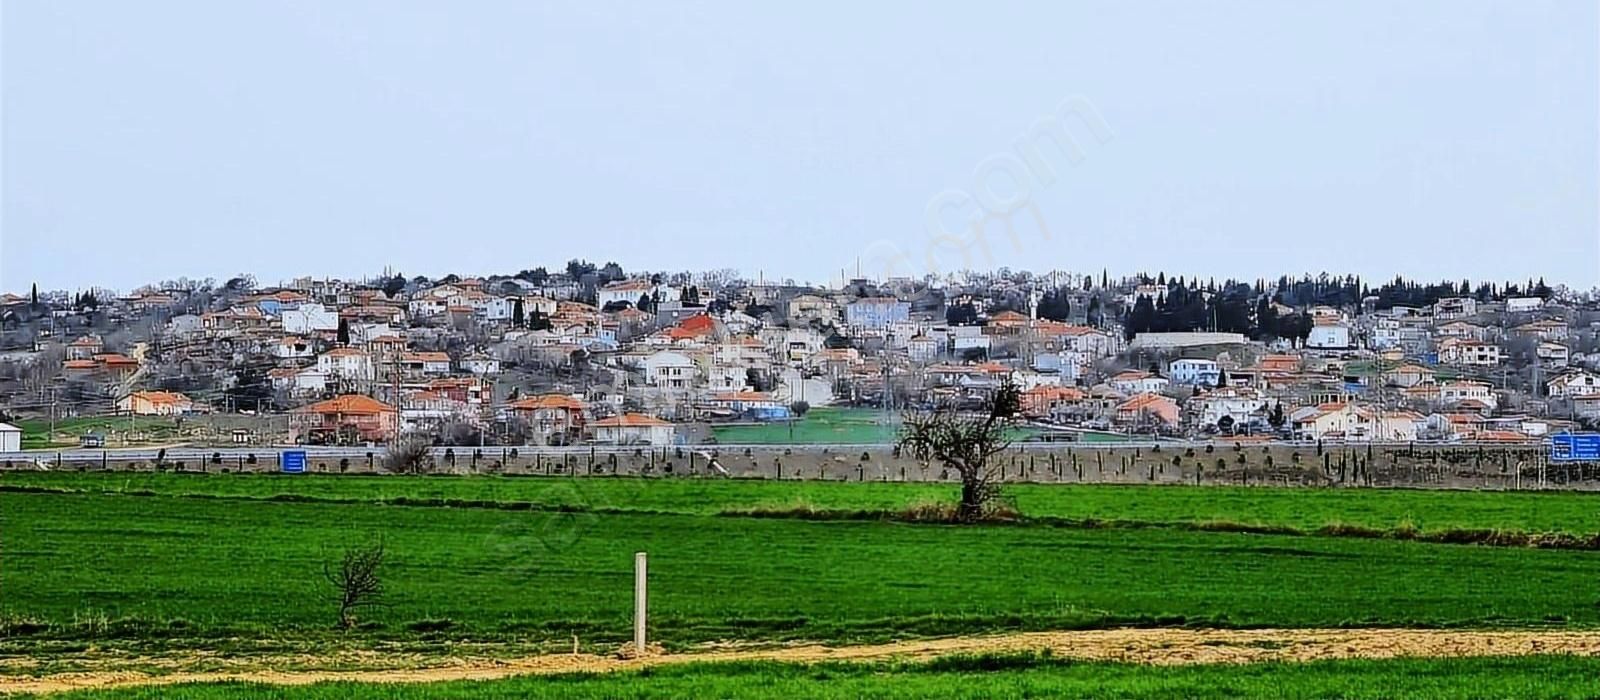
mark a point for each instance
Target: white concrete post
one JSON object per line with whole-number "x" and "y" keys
{"x": 640, "y": 598}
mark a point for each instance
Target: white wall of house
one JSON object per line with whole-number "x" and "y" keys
{"x": 670, "y": 370}
{"x": 310, "y": 318}
{"x": 1329, "y": 336}
{"x": 1194, "y": 371}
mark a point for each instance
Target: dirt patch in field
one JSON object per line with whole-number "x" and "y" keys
{"x": 1151, "y": 646}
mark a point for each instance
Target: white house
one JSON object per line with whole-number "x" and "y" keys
{"x": 1329, "y": 336}
{"x": 185, "y": 325}
{"x": 633, "y": 429}
{"x": 668, "y": 369}
{"x": 299, "y": 382}
{"x": 1353, "y": 422}
{"x": 1468, "y": 352}
{"x": 1517, "y": 305}
{"x": 10, "y": 438}
{"x": 481, "y": 364}
{"x": 1578, "y": 383}
{"x": 425, "y": 362}
{"x": 1238, "y": 404}
{"x": 1136, "y": 382}
{"x": 346, "y": 363}
{"x": 310, "y": 318}
{"x": 1194, "y": 371}
{"x": 1554, "y": 354}
{"x": 792, "y": 344}
{"x": 624, "y": 291}
{"x": 1462, "y": 330}
{"x": 293, "y": 348}
{"x": 1094, "y": 343}
{"x": 1455, "y": 307}
{"x": 1454, "y": 392}
{"x": 428, "y": 305}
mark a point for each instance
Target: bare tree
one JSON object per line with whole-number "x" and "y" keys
{"x": 965, "y": 442}
{"x": 410, "y": 455}
{"x": 357, "y": 585}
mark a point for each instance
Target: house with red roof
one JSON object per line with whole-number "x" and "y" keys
{"x": 1146, "y": 411}
{"x": 345, "y": 419}
{"x": 553, "y": 419}
{"x": 634, "y": 429}
{"x": 155, "y": 403}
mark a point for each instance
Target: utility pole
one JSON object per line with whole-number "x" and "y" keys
{"x": 640, "y": 602}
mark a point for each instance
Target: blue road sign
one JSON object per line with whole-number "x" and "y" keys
{"x": 294, "y": 461}
{"x": 1575, "y": 447}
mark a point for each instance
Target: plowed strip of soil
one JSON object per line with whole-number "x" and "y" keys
{"x": 1152, "y": 646}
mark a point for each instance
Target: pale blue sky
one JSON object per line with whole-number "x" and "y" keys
{"x": 148, "y": 140}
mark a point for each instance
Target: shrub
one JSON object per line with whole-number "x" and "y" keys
{"x": 409, "y": 456}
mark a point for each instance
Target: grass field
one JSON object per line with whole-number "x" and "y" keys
{"x": 36, "y": 434}
{"x": 1306, "y": 509}
{"x": 158, "y": 567}
{"x": 822, "y": 425}
{"x": 978, "y": 677}
{"x": 829, "y": 425}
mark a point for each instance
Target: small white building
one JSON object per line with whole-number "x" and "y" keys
{"x": 1329, "y": 336}
{"x": 1195, "y": 371}
{"x": 628, "y": 291}
{"x": 1454, "y": 392}
{"x": 10, "y": 438}
{"x": 1137, "y": 382}
{"x": 1237, "y": 404}
{"x": 1578, "y": 383}
{"x": 670, "y": 370}
{"x": 633, "y": 429}
{"x": 346, "y": 363}
{"x": 1518, "y": 305}
{"x": 481, "y": 364}
{"x": 1554, "y": 354}
{"x": 309, "y": 319}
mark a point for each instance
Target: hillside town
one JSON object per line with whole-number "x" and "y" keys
{"x": 591, "y": 354}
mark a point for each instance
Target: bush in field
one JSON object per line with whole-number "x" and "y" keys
{"x": 356, "y": 583}
{"x": 408, "y": 456}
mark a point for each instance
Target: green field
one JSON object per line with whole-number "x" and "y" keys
{"x": 36, "y": 433}
{"x": 1305, "y": 509}
{"x": 980, "y": 677}
{"x": 163, "y": 567}
{"x": 830, "y": 425}
{"x": 821, "y": 425}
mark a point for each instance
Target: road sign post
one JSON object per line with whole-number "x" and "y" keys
{"x": 1575, "y": 447}
{"x": 293, "y": 461}
{"x": 640, "y": 600}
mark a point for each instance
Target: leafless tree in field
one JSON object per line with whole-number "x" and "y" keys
{"x": 408, "y": 456}
{"x": 965, "y": 442}
{"x": 356, "y": 582}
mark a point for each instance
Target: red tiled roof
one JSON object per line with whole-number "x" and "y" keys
{"x": 162, "y": 397}
{"x": 1143, "y": 401}
{"x": 425, "y": 357}
{"x": 699, "y": 323}
{"x": 547, "y": 401}
{"x": 630, "y": 420}
{"x": 742, "y": 396}
{"x": 349, "y": 403}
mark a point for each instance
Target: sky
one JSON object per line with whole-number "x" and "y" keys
{"x": 1442, "y": 139}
